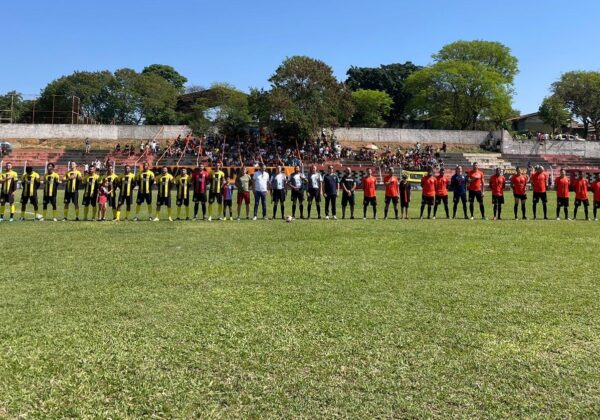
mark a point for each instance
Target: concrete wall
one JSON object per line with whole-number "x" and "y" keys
{"x": 393, "y": 135}
{"x": 586, "y": 149}
{"x": 95, "y": 132}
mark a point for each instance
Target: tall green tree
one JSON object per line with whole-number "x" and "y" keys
{"x": 553, "y": 112}
{"x": 13, "y": 107}
{"x": 169, "y": 74}
{"x": 371, "y": 107}
{"x": 580, "y": 93}
{"x": 389, "y": 78}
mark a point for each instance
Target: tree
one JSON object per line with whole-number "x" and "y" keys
{"x": 308, "y": 97}
{"x": 371, "y": 108}
{"x": 156, "y": 98}
{"x": 13, "y": 107}
{"x": 580, "y": 93}
{"x": 388, "y": 78}
{"x": 553, "y": 112}
{"x": 169, "y": 74}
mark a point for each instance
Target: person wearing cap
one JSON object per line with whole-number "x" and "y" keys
{"x": 404, "y": 189}
{"x": 539, "y": 180}
{"x": 260, "y": 180}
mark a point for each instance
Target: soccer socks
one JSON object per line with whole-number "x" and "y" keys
{"x": 274, "y": 210}
{"x": 545, "y": 208}
{"x": 65, "y": 212}
{"x": 220, "y": 208}
{"x": 435, "y": 209}
{"x": 364, "y": 210}
{"x": 516, "y": 209}
{"x": 471, "y": 208}
{"x": 149, "y": 210}
{"x": 428, "y": 212}
{"x": 187, "y": 212}
{"x": 44, "y": 213}
{"x": 310, "y": 206}
{"x": 117, "y": 215}
{"x": 499, "y": 211}
{"x": 210, "y": 207}
{"x": 534, "y": 210}
{"x": 585, "y": 209}
{"x": 523, "y": 210}
{"x": 178, "y": 211}
{"x": 282, "y": 211}
{"x": 169, "y": 212}
{"x": 196, "y": 205}
{"x": 495, "y": 209}
{"x": 86, "y": 211}
{"x": 138, "y": 209}
{"x": 396, "y": 212}
{"x": 293, "y": 210}
{"x": 319, "y": 211}
{"x": 422, "y": 210}
{"x": 575, "y": 211}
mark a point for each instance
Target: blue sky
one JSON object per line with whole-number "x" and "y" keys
{"x": 242, "y": 42}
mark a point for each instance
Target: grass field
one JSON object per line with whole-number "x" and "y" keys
{"x": 310, "y": 319}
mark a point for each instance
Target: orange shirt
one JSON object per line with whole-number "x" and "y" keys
{"x": 581, "y": 189}
{"x": 475, "y": 180}
{"x": 369, "y": 186}
{"x": 497, "y": 183}
{"x": 428, "y": 184}
{"x": 441, "y": 186}
{"x": 518, "y": 182}
{"x": 596, "y": 190}
{"x": 562, "y": 187}
{"x": 539, "y": 181}
{"x": 391, "y": 186}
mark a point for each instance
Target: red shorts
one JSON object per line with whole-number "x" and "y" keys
{"x": 102, "y": 199}
{"x": 243, "y": 197}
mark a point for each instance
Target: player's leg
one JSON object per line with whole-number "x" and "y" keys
{"x": 471, "y": 203}
{"x": 23, "y": 206}
{"x": 524, "y": 209}
{"x": 256, "y": 198}
{"x": 463, "y": 198}
{"x": 385, "y": 208}
{"x": 545, "y": 205}
{"x": 535, "y": 203}
{"x": 423, "y": 203}
{"x": 516, "y": 208}
{"x": 455, "y": 200}
{"x": 481, "y": 205}
{"x": 577, "y": 204}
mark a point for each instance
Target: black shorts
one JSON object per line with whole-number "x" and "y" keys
{"x": 200, "y": 197}
{"x": 297, "y": 195}
{"x": 125, "y": 199}
{"x": 183, "y": 201}
{"x": 111, "y": 201}
{"x": 562, "y": 202}
{"x": 404, "y": 204}
{"x": 90, "y": 200}
{"x": 212, "y": 196}
{"x": 580, "y": 202}
{"x": 314, "y": 193}
{"x": 427, "y": 200}
{"x": 347, "y": 199}
{"x": 370, "y": 200}
{"x": 475, "y": 195}
{"x": 391, "y": 199}
{"x": 163, "y": 201}
{"x": 497, "y": 199}
{"x": 141, "y": 197}
{"x": 520, "y": 196}
{"x": 540, "y": 196}
{"x": 279, "y": 195}
{"x": 441, "y": 199}
{"x": 27, "y": 199}
{"x": 72, "y": 197}
{"x": 459, "y": 197}
{"x": 227, "y": 203}
{"x": 50, "y": 200}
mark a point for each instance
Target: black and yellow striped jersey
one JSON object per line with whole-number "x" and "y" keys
{"x": 9, "y": 181}
{"x": 51, "y": 182}
{"x": 164, "y": 182}
{"x": 113, "y": 180}
{"x": 126, "y": 184}
{"x": 183, "y": 183}
{"x": 72, "y": 181}
{"x": 217, "y": 178}
{"x": 145, "y": 180}
{"x": 30, "y": 184}
{"x": 91, "y": 183}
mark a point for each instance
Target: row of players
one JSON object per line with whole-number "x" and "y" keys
{"x": 202, "y": 187}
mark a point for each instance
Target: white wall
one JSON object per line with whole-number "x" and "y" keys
{"x": 393, "y": 135}
{"x": 95, "y": 132}
{"x": 586, "y": 149}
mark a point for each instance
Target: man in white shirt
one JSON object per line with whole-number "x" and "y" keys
{"x": 296, "y": 184}
{"x": 278, "y": 191}
{"x": 315, "y": 189}
{"x": 260, "y": 180}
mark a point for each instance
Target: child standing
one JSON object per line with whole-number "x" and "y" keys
{"x": 103, "y": 193}
{"x": 227, "y": 192}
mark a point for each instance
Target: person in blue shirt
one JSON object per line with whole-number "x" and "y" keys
{"x": 458, "y": 184}
{"x": 227, "y": 191}
{"x": 331, "y": 184}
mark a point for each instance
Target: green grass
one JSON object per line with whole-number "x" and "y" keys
{"x": 310, "y": 319}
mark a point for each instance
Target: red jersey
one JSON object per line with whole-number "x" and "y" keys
{"x": 200, "y": 181}
{"x": 475, "y": 178}
{"x": 441, "y": 186}
{"x": 497, "y": 183}
{"x": 562, "y": 187}
{"x": 596, "y": 191}
{"x": 581, "y": 189}
{"x": 428, "y": 183}
{"x": 518, "y": 182}
{"x": 391, "y": 186}
{"x": 369, "y": 186}
{"x": 539, "y": 181}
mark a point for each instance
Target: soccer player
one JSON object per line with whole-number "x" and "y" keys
{"x": 91, "y": 182}
{"x": 73, "y": 180}
{"x": 200, "y": 179}
{"x": 458, "y": 183}
{"x": 518, "y": 183}
{"x": 476, "y": 184}
{"x": 441, "y": 193}
{"x": 581, "y": 195}
{"x": 596, "y": 190}
{"x": 348, "y": 183}
{"x": 227, "y": 190}
{"x": 217, "y": 177}
{"x": 278, "y": 191}
{"x": 539, "y": 179}
{"x": 183, "y": 183}
{"x": 405, "y": 189}
{"x": 112, "y": 180}
{"x": 260, "y": 181}
{"x": 369, "y": 193}
{"x": 296, "y": 183}
{"x": 243, "y": 184}
{"x": 144, "y": 180}
{"x": 392, "y": 195}
{"x": 315, "y": 189}
{"x": 30, "y": 183}
{"x": 428, "y": 185}
{"x": 51, "y": 181}
{"x": 7, "y": 195}
{"x": 126, "y": 183}
{"x": 164, "y": 183}
{"x": 497, "y": 184}
{"x": 562, "y": 194}
{"x": 331, "y": 183}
